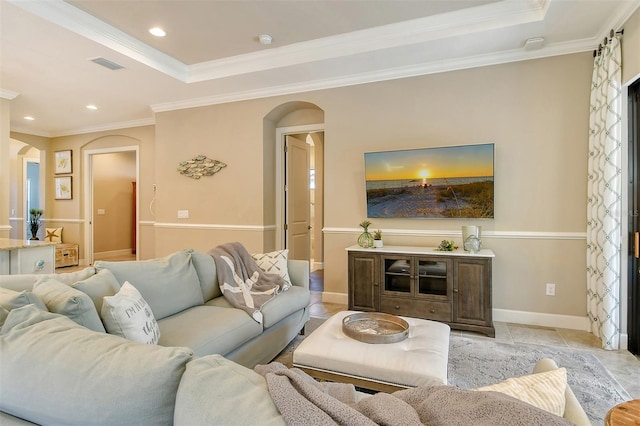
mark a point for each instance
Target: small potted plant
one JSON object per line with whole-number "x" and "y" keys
{"x": 34, "y": 222}
{"x": 377, "y": 238}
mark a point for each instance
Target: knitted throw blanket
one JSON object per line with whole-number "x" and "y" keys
{"x": 303, "y": 401}
{"x": 241, "y": 280}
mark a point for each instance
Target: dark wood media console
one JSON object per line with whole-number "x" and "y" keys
{"x": 452, "y": 287}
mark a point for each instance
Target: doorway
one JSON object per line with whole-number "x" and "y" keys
{"x": 31, "y": 191}
{"x": 300, "y": 208}
{"x": 111, "y": 203}
{"x": 633, "y": 292}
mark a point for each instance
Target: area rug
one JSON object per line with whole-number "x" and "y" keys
{"x": 480, "y": 362}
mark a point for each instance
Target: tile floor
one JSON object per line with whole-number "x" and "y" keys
{"x": 622, "y": 364}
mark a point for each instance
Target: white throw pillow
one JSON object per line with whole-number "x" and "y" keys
{"x": 544, "y": 390}
{"x": 127, "y": 314}
{"x": 275, "y": 262}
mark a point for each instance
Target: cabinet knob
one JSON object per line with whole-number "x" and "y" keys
{"x": 433, "y": 311}
{"x": 455, "y": 290}
{"x": 375, "y": 284}
{"x": 397, "y": 307}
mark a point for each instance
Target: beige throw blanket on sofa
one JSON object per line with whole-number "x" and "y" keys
{"x": 303, "y": 401}
{"x": 241, "y": 280}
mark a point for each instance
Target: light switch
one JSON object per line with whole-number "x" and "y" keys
{"x": 183, "y": 214}
{"x": 101, "y": 212}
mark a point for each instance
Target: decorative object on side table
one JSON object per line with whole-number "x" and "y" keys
{"x": 200, "y": 166}
{"x": 447, "y": 246}
{"x": 471, "y": 238}
{"x": 365, "y": 240}
{"x": 34, "y": 222}
{"x": 377, "y": 238}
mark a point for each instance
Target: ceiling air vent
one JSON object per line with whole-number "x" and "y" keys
{"x": 107, "y": 63}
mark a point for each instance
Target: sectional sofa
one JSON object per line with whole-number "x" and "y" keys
{"x": 185, "y": 299}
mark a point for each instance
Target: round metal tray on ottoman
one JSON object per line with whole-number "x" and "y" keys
{"x": 375, "y": 327}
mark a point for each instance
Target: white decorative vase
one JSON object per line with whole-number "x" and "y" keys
{"x": 377, "y": 243}
{"x": 471, "y": 238}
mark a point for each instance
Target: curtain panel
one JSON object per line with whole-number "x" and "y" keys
{"x": 604, "y": 198}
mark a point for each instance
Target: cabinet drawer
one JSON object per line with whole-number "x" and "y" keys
{"x": 438, "y": 311}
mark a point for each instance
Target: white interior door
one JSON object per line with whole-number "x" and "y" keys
{"x": 297, "y": 217}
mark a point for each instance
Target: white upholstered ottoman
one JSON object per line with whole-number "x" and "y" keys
{"x": 419, "y": 360}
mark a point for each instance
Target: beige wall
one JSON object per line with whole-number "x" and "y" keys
{"x": 631, "y": 49}
{"x": 535, "y": 112}
{"x": 113, "y": 204}
{"x": 70, "y": 214}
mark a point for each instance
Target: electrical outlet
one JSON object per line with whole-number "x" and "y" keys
{"x": 183, "y": 214}
{"x": 551, "y": 289}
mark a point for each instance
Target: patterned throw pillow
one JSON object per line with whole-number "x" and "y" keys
{"x": 127, "y": 314}
{"x": 54, "y": 235}
{"x": 544, "y": 390}
{"x": 275, "y": 263}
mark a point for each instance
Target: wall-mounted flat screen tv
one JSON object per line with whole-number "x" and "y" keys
{"x": 447, "y": 182}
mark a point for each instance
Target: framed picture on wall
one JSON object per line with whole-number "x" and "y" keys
{"x": 63, "y": 162}
{"x": 63, "y": 188}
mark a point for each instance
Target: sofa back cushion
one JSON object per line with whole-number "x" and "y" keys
{"x": 54, "y": 371}
{"x": 207, "y": 274}
{"x": 169, "y": 285}
{"x": 98, "y": 286}
{"x": 11, "y": 299}
{"x": 65, "y": 300}
{"x": 26, "y": 281}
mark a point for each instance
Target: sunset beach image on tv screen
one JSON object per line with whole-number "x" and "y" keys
{"x": 447, "y": 182}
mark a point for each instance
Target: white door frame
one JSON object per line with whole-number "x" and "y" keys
{"x": 281, "y": 132}
{"x": 87, "y": 174}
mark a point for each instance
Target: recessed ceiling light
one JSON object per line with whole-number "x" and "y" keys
{"x": 157, "y": 31}
{"x": 93, "y": 107}
{"x": 30, "y": 118}
{"x": 265, "y": 39}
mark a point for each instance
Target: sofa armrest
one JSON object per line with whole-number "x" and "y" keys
{"x": 299, "y": 272}
{"x": 573, "y": 411}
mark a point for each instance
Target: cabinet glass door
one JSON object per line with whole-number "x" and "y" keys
{"x": 432, "y": 277}
{"x": 397, "y": 275}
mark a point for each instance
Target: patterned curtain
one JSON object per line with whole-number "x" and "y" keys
{"x": 604, "y": 205}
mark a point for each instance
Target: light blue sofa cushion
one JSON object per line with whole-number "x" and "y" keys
{"x": 54, "y": 371}
{"x": 169, "y": 285}
{"x": 11, "y": 299}
{"x": 206, "y": 270}
{"x": 281, "y": 306}
{"x": 26, "y": 281}
{"x": 98, "y": 286}
{"x": 208, "y": 329}
{"x": 216, "y": 391}
{"x": 73, "y": 304}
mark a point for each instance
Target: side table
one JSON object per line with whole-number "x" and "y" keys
{"x": 626, "y": 413}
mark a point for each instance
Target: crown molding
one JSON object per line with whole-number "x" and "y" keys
{"x": 67, "y": 16}
{"x": 8, "y": 94}
{"x": 461, "y": 22}
{"x": 32, "y": 132}
{"x": 103, "y": 128}
{"x": 425, "y": 68}
{"x": 458, "y": 23}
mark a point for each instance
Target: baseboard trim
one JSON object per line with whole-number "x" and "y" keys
{"x": 506, "y": 315}
{"x": 542, "y": 319}
{"x": 110, "y": 254}
{"x": 330, "y": 297}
